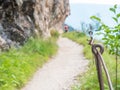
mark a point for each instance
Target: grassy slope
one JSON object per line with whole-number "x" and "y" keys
{"x": 17, "y": 66}
{"x": 89, "y": 80}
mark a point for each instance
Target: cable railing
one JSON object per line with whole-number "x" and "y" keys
{"x": 97, "y": 50}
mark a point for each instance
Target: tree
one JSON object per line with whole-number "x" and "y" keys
{"x": 112, "y": 35}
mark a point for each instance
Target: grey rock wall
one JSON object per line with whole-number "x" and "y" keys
{"x": 20, "y": 19}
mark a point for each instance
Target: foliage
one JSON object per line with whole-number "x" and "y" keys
{"x": 18, "y": 65}
{"x": 54, "y": 33}
{"x": 111, "y": 34}
{"x": 89, "y": 80}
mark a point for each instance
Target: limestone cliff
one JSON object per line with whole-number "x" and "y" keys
{"x": 20, "y": 19}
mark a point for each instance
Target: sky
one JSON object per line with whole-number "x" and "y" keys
{"x": 110, "y": 2}
{"x": 82, "y": 10}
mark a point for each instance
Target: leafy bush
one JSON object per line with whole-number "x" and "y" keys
{"x": 54, "y": 33}
{"x": 112, "y": 36}
{"x": 18, "y": 65}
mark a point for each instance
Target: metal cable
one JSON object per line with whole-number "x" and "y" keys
{"x": 100, "y": 62}
{"x": 106, "y": 71}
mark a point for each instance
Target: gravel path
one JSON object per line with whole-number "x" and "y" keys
{"x": 60, "y": 72}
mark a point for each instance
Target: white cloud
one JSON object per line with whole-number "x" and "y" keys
{"x": 96, "y": 1}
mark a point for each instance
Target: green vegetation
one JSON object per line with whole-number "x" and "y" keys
{"x": 111, "y": 33}
{"x": 112, "y": 36}
{"x": 89, "y": 81}
{"x": 18, "y": 65}
{"x": 54, "y": 33}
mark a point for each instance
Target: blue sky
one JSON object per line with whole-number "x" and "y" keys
{"x": 81, "y": 10}
{"x": 110, "y": 2}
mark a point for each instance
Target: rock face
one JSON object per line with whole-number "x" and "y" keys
{"x": 20, "y": 19}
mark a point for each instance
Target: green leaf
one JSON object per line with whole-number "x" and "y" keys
{"x": 105, "y": 26}
{"x": 118, "y": 86}
{"x": 107, "y": 31}
{"x": 99, "y": 33}
{"x": 116, "y": 30}
{"x": 96, "y": 18}
{"x": 113, "y": 10}
{"x": 100, "y": 28}
{"x": 104, "y": 39}
{"x": 111, "y": 51}
{"x": 111, "y": 36}
{"x": 118, "y": 36}
{"x": 118, "y": 15}
{"x": 115, "y": 19}
{"x": 115, "y": 6}
{"x": 106, "y": 42}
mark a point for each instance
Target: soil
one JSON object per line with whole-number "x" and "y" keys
{"x": 60, "y": 72}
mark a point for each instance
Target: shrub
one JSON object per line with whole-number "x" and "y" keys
{"x": 54, "y": 33}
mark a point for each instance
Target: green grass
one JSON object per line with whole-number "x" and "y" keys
{"x": 89, "y": 80}
{"x": 18, "y": 65}
{"x": 54, "y": 33}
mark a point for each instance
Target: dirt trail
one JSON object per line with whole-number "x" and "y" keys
{"x": 60, "y": 72}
